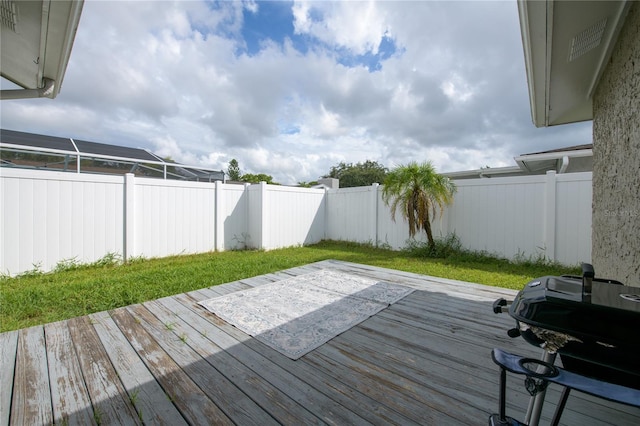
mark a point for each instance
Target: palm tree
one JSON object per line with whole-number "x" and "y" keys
{"x": 418, "y": 191}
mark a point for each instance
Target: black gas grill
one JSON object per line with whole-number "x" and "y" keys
{"x": 592, "y": 323}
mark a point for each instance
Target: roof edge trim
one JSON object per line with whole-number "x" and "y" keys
{"x": 554, "y": 155}
{"x": 534, "y": 42}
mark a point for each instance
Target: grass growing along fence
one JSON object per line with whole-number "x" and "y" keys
{"x": 73, "y": 290}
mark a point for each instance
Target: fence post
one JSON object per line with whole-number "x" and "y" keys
{"x": 550, "y": 216}
{"x": 129, "y": 230}
{"x": 219, "y": 216}
{"x": 325, "y": 213}
{"x": 250, "y": 224}
{"x": 374, "y": 210}
{"x": 262, "y": 211}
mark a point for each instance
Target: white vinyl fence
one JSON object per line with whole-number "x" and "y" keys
{"x": 49, "y": 217}
{"x": 533, "y": 216}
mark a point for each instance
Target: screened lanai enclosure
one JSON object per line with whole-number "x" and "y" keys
{"x": 33, "y": 151}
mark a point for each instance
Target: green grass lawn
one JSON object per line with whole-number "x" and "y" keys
{"x": 38, "y": 298}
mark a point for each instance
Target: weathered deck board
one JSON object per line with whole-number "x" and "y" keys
{"x": 424, "y": 360}
{"x": 144, "y": 391}
{"x": 8, "y": 349}
{"x": 259, "y": 377}
{"x": 111, "y": 403}
{"x": 195, "y": 354}
{"x": 69, "y": 395}
{"x": 194, "y": 404}
{"x": 31, "y": 403}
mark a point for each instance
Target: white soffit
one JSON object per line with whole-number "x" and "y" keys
{"x": 566, "y": 46}
{"x": 36, "y": 40}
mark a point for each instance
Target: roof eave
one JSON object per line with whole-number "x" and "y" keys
{"x": 560, "y": 86}
{"x": 527, "y": 162}
{"x": 554, "y": 155}
{"x": 36, "y": 47}
{"x": 486, "y": 172}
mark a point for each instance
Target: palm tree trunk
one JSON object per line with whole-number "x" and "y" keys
{"x": 427, "y": 227}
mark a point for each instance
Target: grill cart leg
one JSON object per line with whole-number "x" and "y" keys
{"x": 501, "y": 419}
{"x": 560, "y": 408}
{"x": 535, "y": 403}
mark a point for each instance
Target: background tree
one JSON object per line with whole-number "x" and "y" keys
{"x": 360, "y": 174}
{"x": 234, "y": 170}
{"x": 257, "y": 178}
{"x": 418, "y": 191}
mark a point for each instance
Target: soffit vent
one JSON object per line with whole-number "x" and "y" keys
{"x": 587, "y": 40}
{"x": 9, "y": 15}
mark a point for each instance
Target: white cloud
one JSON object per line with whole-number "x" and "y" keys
{"x": 457, "y": 89}
{"x": 357, "y": 26}
{"x": 251, "y": 6}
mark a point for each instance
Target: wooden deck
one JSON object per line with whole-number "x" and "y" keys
{"x": 424, "y": 360}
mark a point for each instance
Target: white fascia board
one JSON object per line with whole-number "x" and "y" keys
{"x": 64, "y": 17}
{"x": 533, "y": 28}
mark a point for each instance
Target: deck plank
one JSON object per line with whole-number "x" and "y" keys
{"x": 371, "y": 381}
{"x": 111, "y": 404}
{"x": 465, "y": 371}
{"x": 181, "y": 345}
{"x": 31, "y": 402}
{"x": 69, "y": 395}
{"x": 8, "y": 350}
{"x": 192, "y": 402}
{"x": 143, "y": 390}
{"x": 287, "y": 393}
{"x": 423, "y": 360}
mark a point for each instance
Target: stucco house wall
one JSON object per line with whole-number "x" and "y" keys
{"x": 616, "y": 157}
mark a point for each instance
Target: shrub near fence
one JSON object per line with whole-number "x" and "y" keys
{"x": 48, "y": 217}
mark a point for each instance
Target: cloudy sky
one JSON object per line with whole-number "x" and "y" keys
{"x": 292, "y": 88}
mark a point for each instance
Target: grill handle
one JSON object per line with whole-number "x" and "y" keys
{"x": 499, "y": 304}
{"x": 587, "y": 279}
{"x": 513, "y": 333}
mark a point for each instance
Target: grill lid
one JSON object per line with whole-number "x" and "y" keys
{"x": 611, "y": 313}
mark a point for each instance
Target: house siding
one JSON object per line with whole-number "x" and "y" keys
{"x": 616, "y": 154}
